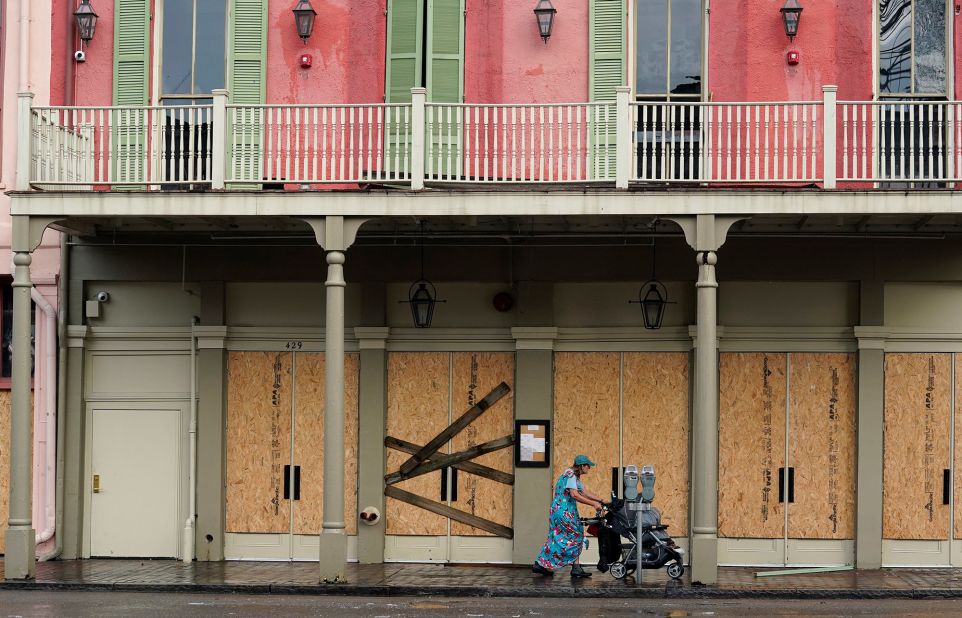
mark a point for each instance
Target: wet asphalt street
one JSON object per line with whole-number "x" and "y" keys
{"x": 30, "y": 604}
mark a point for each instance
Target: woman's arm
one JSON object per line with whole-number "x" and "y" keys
{"x": 591, "y": 496}
{"x": 583, "y": 498}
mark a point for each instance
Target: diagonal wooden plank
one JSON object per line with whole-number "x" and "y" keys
{"x": 443, "y": 461}
{"x": 454, "y": 428}
{"x": 447, "y": 511}
{"x": 465, "y": 466}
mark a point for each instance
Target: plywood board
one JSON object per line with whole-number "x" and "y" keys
{"x": 822, "y": 446}
{"x": 417, "y": 410}
{"x": 655, "y": 422}
{"x": 259, "y": 387}
{"x": 4, "y": 462}
{"x": 586, "y": 417}
{"x": 958, "y": 447}
{"x": 916, "y": 443}
{"x": 751, "y": 445}
{"x": 309, "y": 440}
{"x": 474, "y": 375}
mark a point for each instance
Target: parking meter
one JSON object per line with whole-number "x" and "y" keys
{"x": 647, "y": 483}
{"x": 631, "y": 483}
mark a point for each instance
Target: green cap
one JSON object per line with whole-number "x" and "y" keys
{"x": 582, "y": 460}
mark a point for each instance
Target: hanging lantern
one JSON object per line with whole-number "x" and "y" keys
{"x": 653, "y": 298}
{"x": 545, "y": 13}
{"x": 791, "y": 14}
{"x": 86, "y": 21}
{"x": 304, "y": 15}
{"x": 422, "y": 300}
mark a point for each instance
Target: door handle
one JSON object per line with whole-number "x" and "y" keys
{"x": 96, "y": 483}
{"x": 287, "y": 482}
{"x": 791, "y": 485}
{"x": 454, "y": 484}
{"x": 444, "y": 484}
{"x": 297, "y": 482}
{"x": 946, "y": 485}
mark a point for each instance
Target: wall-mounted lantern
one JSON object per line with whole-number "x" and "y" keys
{"x": 304, "y": 15}
{"x": 791, "y": 14}
{"x": 545, "y": 13}
{"x": 86, "y": 21}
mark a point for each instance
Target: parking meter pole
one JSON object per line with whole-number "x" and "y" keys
{"x": 639, "y": 550}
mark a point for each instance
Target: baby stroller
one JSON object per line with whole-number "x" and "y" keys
{"x": 621, "y": 558}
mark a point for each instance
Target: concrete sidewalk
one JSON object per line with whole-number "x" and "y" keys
{"x": 469, "y": 580}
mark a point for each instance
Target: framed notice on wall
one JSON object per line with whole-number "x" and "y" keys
{"x": 532, "y": 444}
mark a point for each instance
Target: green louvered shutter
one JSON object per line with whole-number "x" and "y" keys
{"x": 131, "y": 58}
{"x": 607, "y": 54}
{"x": 405, "y": 42}
{"x": 246, "y": 82}
{"x": 445, "y": 81}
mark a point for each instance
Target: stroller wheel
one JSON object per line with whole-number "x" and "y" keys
{"x": 675, "y": 570}
{"x": 618, "y": 570}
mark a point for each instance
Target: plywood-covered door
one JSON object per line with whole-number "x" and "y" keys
{"x": 916, "y": 471}
{"x": 624, "y": 408}
{"x": 275, "y": 453}
{"x": 821, "y": 457}
{"x": 417, "y": 410}
{"x": 426, "y": 392}
{"x": 786, "y": 458}
{"x": 259, "y": 401}
{"x": 751, "y": 456}
{"x": 474, "y": 375}
{"x": 308, "y": 450}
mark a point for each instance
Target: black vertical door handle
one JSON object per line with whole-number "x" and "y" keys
{"x": 781, "y": 484}
{"x": 791, "y": 484}
{"x": 614, "y": 481}
{"x": 444, "y": 484}
{"x": 946, "y": 485}
{"x": 297, "y": 482}
{"x": 287, "y": 482}
{"x": 454, "y": 484}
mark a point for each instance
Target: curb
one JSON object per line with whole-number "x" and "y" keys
{"x": 567, "y": 592}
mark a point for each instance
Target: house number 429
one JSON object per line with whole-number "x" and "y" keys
{"x": 295, "y": 345}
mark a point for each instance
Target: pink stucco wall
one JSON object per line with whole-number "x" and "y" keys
{"x": 747, "y": 56}
{"x": 507, "y": 62}
{"x": 347, "y": 46}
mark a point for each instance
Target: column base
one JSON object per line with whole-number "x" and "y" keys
{"x": 333, "y": 556}
{"x": 19, "y": 561}
{"x": 704, "y": 559}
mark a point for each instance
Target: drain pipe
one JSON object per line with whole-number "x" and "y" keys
{"x": 61, "y": 400}
{"x": 48, "y": 469}
{"x": 188, "y": 547}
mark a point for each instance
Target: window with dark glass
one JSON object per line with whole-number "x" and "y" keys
{"x": 668, "y": 69}
{"x": 6, "y": 331}
{"x": 193, "y": 62}
{"x": 912, "y": 67}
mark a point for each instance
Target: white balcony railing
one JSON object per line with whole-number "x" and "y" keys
{"x": 231, "y": 146}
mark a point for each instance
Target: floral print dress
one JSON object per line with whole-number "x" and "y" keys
{"x": 566, "y": 535}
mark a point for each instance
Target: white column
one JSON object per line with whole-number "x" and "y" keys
{"x": 829, "y": 154}
{"x": 333, "y": 542}
{"x": 19, "y": 561}
{"x": 219, "y": 138}
{"x": 623, "y": 141}
{"x": 418, "y": 99}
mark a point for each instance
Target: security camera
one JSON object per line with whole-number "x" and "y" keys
{"x": 79, "y": 55}
{"x": 102, "y": 297}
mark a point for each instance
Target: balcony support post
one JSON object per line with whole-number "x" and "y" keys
{"x": 418, "y": 99}
{"x": 219, "y": 137}
{"x": 623, "y": 136}
{"x": 24, "y": 141}
{"x": 829, "y": 156}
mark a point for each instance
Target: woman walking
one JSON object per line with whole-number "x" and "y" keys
{"x": 566, "y": 535}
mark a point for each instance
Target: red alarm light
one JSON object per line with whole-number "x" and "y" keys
{"x": 306, "y": 61}
{"x": 793, "y": 57}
